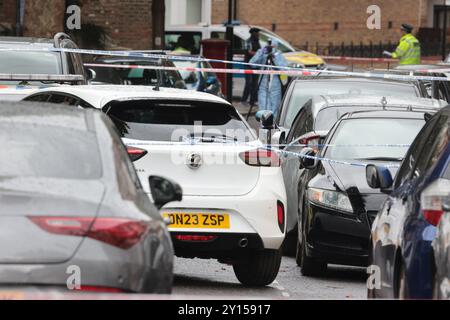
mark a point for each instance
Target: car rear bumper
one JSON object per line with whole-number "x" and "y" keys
{"x": 223, "y": 246}
{"x": 337, "y": 238}
{"x": 252, "y": 214}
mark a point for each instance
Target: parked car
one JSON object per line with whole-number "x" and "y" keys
{"x": 197, "y": 33}
{"x": 136, "y": 76}
{"x": 71, "y": 197}
{"x": 40, "y": 62}
{"x": 441, "y": 250}
{"x": 310, "y": 127}
{"x": 336, "y": 206}
{"x": 405, "y": 226}
{"x": 201, "y": 141}
{"x": 199, "y": 80}
{"x": 305, "y": 88}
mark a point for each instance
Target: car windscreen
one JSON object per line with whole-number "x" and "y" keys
{"x": 27, "y": 62}
{"x": 283, "y": 45}
{"x": 177, "y": 121}
{"x": 305, "y": 90}
{"x": 31, "y": 150}
{"x": 139, "y": 76}
{"x": 373, "y": 138}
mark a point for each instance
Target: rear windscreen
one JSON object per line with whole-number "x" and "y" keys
{"x": 327, "y": 117}
{"x": 46, "y": 151}
{"x": 175, "y": 121}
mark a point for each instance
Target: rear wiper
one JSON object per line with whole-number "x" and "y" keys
{"x": 381, "y": 159}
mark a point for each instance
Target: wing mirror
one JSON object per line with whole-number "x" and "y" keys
{"x": 307, "y": 159}
{"x": 279, "y": 139}
{"x": 164, "y": 191}
{"x": 266, "y": 118}
{"x": 379, "y": 178}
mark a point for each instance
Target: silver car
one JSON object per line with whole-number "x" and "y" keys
{"x": 73, "y": 214}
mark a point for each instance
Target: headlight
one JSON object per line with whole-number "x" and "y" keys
{"x": 296, "y": 65}
{"x": 331, "y": 199}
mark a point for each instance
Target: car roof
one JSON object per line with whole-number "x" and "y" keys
{"x": 26, "y": 41}
{"x": 324, "y": 101}
{"x": 45, "y": 114}
{"x": 100, "y": 95}
{"x": 345, "y": 78}
{"x": 398, "y": 114}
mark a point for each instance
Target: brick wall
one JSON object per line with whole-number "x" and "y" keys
{"x": 301, "y": 21}
{"x": 43, "y": 18}
{"x": 7, "y": 15}
{"x": 128, "y": 23}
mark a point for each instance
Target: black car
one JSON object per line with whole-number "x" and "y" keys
{"x": 310, "y": 127}
{"x": 41, "y": 62}
{"x": 70, "y": 197}
{"x": 137, "y": 76}
{"x": 336, "y": 204}
{"x": 305, "y": 88}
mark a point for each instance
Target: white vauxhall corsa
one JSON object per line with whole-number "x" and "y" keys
{"x": 234, "y": 198}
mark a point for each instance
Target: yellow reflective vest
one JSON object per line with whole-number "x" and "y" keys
{"x": 408, "y": 50}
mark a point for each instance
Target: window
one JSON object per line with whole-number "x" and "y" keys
{"x": 238, "y": 43}
{"x": 38, "y": 98}
{"x": 63, "y": 99}
{"x": 414, "y": 153}
{"x": 46, "y": 151}
{"x": 186, "y": 39}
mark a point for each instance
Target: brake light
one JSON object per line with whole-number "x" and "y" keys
{"x": 136, "y": 153}
{"x": 280, "y": 215}
{"x": 260, "y": 158}
{"x": 432, "y": 200}
{"x": 118, "y": 232}
{"x": 199, "y": 238}
{"x": 311, "y": 140}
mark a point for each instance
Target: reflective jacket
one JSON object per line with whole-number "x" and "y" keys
{"x": 408, "y": 50}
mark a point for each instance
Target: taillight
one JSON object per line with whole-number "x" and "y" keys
{"x": 260, "y": 158}
{"x": 432, "y": 200}
{"x": 118, "y": 232}
{"x": 280, "y": 215}
{"x": 197, "y": 238}
{"x": 311, "y": 140}
{"x": 136, "y": 153}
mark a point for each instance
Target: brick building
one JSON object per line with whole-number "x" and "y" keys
{"x": 121, "y": 24}
{"x": 337, "y": 21}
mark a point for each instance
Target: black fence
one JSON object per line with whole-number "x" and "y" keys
{"x": 371, "y": 50}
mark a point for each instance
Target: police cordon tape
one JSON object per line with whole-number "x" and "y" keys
{"x": 281, "y": 151}
{"x": 274, "y": 69}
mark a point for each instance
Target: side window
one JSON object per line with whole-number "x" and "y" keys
{"x": 238, "y": 43}
{"x": 438, "y": 140}
{"x": 38, "y": 97}
{"x": 412, "y": 157}
{"x": 63, "y": 99}
{"x": 186, "y": 39}
{"x": 300, "y": 125}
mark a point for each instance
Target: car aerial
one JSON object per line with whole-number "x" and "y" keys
{"x": 204, "y": 81}
{"x": 336, "y": 204}
{"x": 202, "y": 142}
{"x": 311, "y": 125}
{"x": 303, "y": 89}
{"x": 441, "y": 253}
{"x": 405, "y": 226}
{"x": 71, "y": 198}
{"x": 137, "y": 76}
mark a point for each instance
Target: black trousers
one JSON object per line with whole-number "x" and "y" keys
{"x": 251, "y": 88}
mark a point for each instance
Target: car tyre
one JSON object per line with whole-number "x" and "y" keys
{"x": 402, "y": 291}
{"x": 259, "y": 269}
{"x": 310, "y": 267}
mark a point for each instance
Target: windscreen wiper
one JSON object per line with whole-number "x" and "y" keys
{"x": 212, "y": 138}
{"x": 382, "y": 159}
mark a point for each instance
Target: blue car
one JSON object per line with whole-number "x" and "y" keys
{"x": 402, "y": 259}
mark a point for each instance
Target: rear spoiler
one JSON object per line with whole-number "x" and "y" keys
{"x": 42, "y": 77}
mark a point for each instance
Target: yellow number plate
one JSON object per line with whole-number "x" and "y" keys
{"x": 198, "y": 220}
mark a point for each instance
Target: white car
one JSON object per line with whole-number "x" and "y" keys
{"x": 234, "y": 199}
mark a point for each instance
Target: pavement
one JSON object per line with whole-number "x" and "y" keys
{"x": 198, "y": 277}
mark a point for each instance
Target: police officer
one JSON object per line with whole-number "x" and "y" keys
{"x": 270, "y": 86}
{"x": 408, "y": 50}
{"x": 251, "y": 80}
